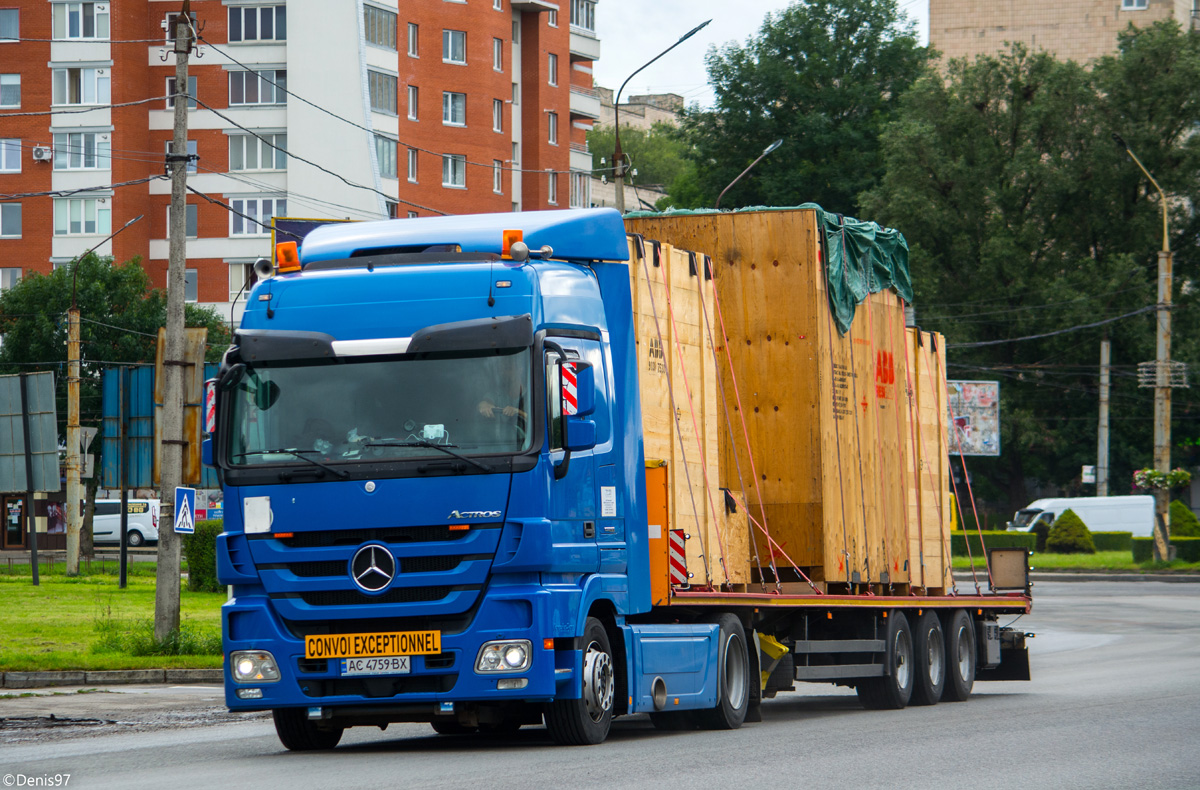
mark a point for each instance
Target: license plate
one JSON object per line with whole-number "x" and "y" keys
{"x": 387, "y": 665}
{"x": 399, "y": 643}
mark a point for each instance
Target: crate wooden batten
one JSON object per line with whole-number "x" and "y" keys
{"x": 850, "y": 461}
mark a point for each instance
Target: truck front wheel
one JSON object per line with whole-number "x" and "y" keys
{"x": 587, "y": 720}
{"x": 298, "y": 734}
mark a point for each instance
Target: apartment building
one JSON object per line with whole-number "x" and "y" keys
{"x": 1079, "y": 30}
{"x": 305, "y": 108}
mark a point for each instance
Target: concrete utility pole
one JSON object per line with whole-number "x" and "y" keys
{"x": 74, "y": 489}
{"x": 1102, "y": 439}
{"x": 166, "y": 600}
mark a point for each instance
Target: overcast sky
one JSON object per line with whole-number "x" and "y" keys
{"x": 634, "y": 31}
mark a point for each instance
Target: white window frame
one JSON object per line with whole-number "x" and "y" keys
{"x": 94, "y": 81}
{"x": 241, "y": 145}
{"x": 552, "y": 123}
{"x": 552, "y": 188}
{"x": 9, "y": 275}
{"x": 1134, "y": 5}
{"x": 61, "y": 17}
{"x": 412, "y": 215}
{"x": 263, "y": 79}
{"x": 498, "y": 115}
{"x": 191, "y": 285}
{"x": 10, "y": 80}
{"x": 274, "y": 10}
{"x": 10, "y": 155}
{"x": 386, "y": 154}
{"x": 552, "y": 70}
{"x": 454, "y": 108}
{"x": 583, "y": 15}
{"x": 414, "y": 40}
{"x": 497, "y": 176}
{"x": 256, "y": 207}
{"x": 376, "y": 23}
{"x": 414, "y": 96}
{"x": 386, "y": 86}
{"x": 241, "y": 279}
{"x": 497, "y": 54}
{"x": 10, "y": 209}
{"x": 552, "y": 18}
{"x": 581, "y": 189}
{"x": 16, "y": 12}
{"x": 449, "y": 40}
{"x": 191, "y": 220}
{"x": 72, "y": 150}
{"x": 454, "y": 171}
{"x": 412, "y": 165}
{"x": 192, "y": 89}
{"x": 67, "y": 209}
{"x": 498, "y": 5}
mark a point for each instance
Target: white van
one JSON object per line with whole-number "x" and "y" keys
{"x": 1100, "y": 513}
{"x": 142, "y": 525}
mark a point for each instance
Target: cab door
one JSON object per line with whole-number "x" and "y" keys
{"x": 573, "y": 495}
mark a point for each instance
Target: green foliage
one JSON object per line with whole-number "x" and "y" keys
{"x": 1184, "y": 523}
{"x": 997, "y": 539}
{"x": 1024, "y": 218}
{"x": 200, "y": 549}
{"x": 1070, "y": 535}
{"x": 1152, "y": 479}
{"x": 1112, "y": 541}
{"x": 824, "y": 76}
{"x": 659, "y": 155}
{"x": 1186, "y": 549}
{"x": 137, "y": 638}
{"x": 1042, "y": 530}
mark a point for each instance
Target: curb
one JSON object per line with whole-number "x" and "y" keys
{"x": 109, "y": 677}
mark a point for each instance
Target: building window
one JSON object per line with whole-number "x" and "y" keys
{"x": 412, "y": 165}
{"x": 81, "y": 86}
{"x": 497, "y": 176}
{"x": 516, "y": 159}
{"x": 553, "y": 69}
{"x": 191, "y": 93}
{"x": 454, "y": 46}
{"x": 454, "y": 171}
{"x": 192, "y": 220}
{"x": 412, "y": 215}
{"x": 1133, "y": 5}
{"x": 553, "y": 128}
{"x": 412, "y": 102}
{"x": 252, "y": 216}
{"x": 10, "y": 228}
{"x": 552, "y": 18}
{"x": 241, "y": 279}
{"x": 413, "y": 34}
{"x": 516, "y": 36}
{"x": 498, "y": 5}
{"x": 10, "y": 156}
{"x": 82, "y": 151}
{"x": 383, "y": 89}
{"x": 257, "y": 23}
{"x": 516, "y": 93}
{"x": 497, "y": 115}
{"x": 454, "y": 109}
{"x": 581, "y": 190}
{"x": 191, "y": 285}
{"x": 10, "y": 24}
{"x": 10, "y": 90}
{"x": 82, "y": 217}
{"x": 265, "y": 152}
{"x": 258, "y": 87}
{"x": 497, "y": 54}
{"x": 192, "y": 165}
{"x": 385, "y": 153}
{"x": 80, "y": 20}
{"x": 583, "y": 14}
{"x": 380, "y": 27}
{"x": 9, "y": 276}
{"x": 552, "y": 190}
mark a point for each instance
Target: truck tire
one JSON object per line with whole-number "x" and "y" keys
{"x": 733, "y": 677}
{"x": 298, "y": 734}
{"x": 929, "y": 653}
{"x": 134, "y": 538}
{"x": 587, "y": 720}
{"x": 894, "y": 689}
{"x": 960, "y": 656}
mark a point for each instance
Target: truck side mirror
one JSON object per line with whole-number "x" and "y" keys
{"x": 578, "y": 401}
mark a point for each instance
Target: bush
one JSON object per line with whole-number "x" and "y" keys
{"x": 1112, "y": 541}
{"x": 1042, "y": 530}
{"x": 998, "y": 539}
{"x": 1184, "y": 523}
{"x": 1186, "y": 549}
{"x": 1070, "y": 535}
{"x": 200, "y": 549}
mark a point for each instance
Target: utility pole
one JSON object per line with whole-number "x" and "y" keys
{"x": 1102, "y": 442}
{"x": 166, "y": 599}
{"x": 74, "y": 489}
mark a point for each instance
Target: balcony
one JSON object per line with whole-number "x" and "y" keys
{"x": 585, "y": 102}
{"x": 584, "y": 45}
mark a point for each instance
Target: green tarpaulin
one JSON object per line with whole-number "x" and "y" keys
{"x": 863, "y": 257}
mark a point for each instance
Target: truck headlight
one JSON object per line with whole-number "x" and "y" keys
{"x": 256, "y": 666}
{"x": 514, "y": 656}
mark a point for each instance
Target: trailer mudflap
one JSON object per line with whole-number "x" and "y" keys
{"x": 1014, "y": 665}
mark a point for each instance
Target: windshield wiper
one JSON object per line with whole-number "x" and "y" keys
{"x": 445, "y": 448}
{"x": 299, "y": 454}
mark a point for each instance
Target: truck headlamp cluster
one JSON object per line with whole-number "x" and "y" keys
{"x": 253, "y": 666}
{"x": 513, "y": 656}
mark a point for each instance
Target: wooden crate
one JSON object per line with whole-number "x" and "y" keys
{"x": 827, "y": 469}
{"x": 928, "y": 492}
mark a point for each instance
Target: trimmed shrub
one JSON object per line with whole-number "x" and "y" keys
{"x": 1042, "y": 531}
{"x": 1186, "y": 549}
{"x": 1184, "y": 523}
{"x": 1112, "y": 541}
{"x": 200, "y": 549}
{"x": 1070, "y": 535}
{"x": 995, "y": 539}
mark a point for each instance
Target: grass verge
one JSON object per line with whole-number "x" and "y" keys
{"x": 1100, "y": 561}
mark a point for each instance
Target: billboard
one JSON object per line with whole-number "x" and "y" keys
{"x": 43, "y": 433}
{"x": 974, "y": 417}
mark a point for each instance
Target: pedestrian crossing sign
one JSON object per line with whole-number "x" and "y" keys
{"x": 185, "y": 510}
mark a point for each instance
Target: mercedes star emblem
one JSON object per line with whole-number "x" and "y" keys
{"x": 373, "y": 568}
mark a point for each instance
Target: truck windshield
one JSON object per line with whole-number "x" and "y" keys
{"x": 1024, "y": 518}
{"x": 440, "y": 406}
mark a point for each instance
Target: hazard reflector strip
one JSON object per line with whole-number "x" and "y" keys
{"x": 569, "y": 389}
{"x": 678, "y": 558}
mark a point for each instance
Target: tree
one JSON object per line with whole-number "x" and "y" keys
{"x": 1023, "y": 218}
{"x": 659, "y": 155}
{"x": 824, "y": 76}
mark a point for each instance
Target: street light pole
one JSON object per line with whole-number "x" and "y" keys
{"x": 766, "y": 151}
{"x": 1162, "y": 373}
{"x": 618, "y": 157}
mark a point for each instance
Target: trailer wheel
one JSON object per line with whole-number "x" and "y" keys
{"x": 733, "y": 678}
{"x": 298, "y": 734}
{"x": 960, "y": 657}
{"x": 930, "y": 660}
{"x": 587, "y": 720}
{"x": 894, "y": 689}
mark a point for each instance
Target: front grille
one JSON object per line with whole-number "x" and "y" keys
{"x": 377, "y": 688}
{"x": 325, "y": 568}
{"x": 355, "y": 598}
{"x": 313, "y": 665}
{"x": 440, "y": 661}
{"x": 439, "y": 533}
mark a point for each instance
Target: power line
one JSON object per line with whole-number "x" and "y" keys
{"x": 88, "y": 108}
{"x": 68, "y": 192}
{"x": 1052, "y": 334}
{"x": 232, "y": 210}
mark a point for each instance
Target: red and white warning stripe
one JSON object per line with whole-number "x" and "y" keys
{"x": 569, "y": 389}
{"x": 678, "y": 558}
{"x": 210, "y": 405}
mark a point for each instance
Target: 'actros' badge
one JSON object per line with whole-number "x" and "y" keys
{"x": 474, "y": 514}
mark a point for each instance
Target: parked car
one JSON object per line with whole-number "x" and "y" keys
{"x": 1100, "y": 513}
{"x": 142, "y": 526}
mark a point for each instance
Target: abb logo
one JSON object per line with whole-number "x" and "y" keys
{"x": 885, "y": 373}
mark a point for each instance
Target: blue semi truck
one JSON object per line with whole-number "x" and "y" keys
{"x": 429, "y": 435}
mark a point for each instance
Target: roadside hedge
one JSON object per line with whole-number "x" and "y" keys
{"x": 1184, "y": 523}
{"x": 1070, "y": 535}
{"x": 1113, "y": 541}
{"x": 1186, "y": 549}
{"x": 993, "y": 539}
{"x": 201, "y": 552}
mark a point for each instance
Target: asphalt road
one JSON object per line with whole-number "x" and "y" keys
{"x": 1115, "y": 703}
